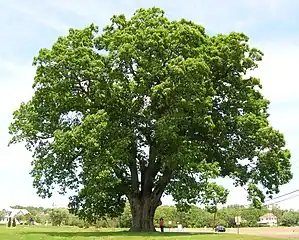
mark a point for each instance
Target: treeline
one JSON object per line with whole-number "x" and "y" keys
{"x": 195, "y": 218}
{"x": 45, "y": 216}
{"x": 198, "y": 218}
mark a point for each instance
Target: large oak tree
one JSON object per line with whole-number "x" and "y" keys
{"x": 148, "y": 107}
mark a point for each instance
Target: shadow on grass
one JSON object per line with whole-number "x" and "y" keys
{"x": 118, "y": 233}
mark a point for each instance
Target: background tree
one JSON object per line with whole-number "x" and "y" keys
{"x": 289, "y": 218}
{"x": 252, "y": 216}
{"x": 200, "y": 218}
{"x": 2, "y": 215}
{"x": 73, "y": 220}
{"x": 278, "y": 212}
{"x": 37, "y": 213}
{"x": 125, "y": 219}
{"x": 148, "y": 107}
{"x": 59, "y": 216}
{"x": 23, "y": 219}
{"x": 215, "y": 195}
{"x": 227, "y": 215}
{"x": 14, "y": 224}
{"x": 195, "y": 217}
{"x": 168, "y": 214}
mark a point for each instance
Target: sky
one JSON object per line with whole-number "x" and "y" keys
{"x": 28, "y": 26}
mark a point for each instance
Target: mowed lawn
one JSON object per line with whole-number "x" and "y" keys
{"x": 47, "y": 233}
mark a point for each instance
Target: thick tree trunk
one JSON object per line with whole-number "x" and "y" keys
{"x": 143, "y": 211}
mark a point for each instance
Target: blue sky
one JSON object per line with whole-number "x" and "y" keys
{"x": 30, "y": 25}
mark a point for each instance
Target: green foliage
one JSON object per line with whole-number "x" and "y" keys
{"x": 73, "y": 220}
{"x": 2, "y": 215}
{"x": 148, "y": 107}
{"x": 14, "y": 224}
{"x": 39, "y": 214}
{"x": 289, "y": 218}
{"x": 195, "y": 217}
{"x": 278, "y": 213}
{"x": 23, "y": 218}
{"x": 252, "y": 215}
{"x": 199, "y": 218}
{"x": 125, "y": 219}
{"x": 59, "y": 216}
{"x": 62, "y": 216}
{"x": 9, "y": 222}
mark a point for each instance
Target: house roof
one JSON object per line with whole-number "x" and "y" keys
{"x": 12, "y": 212}
{"x": 269, "y": 215}
{"x": 23, "y": 211}
{"x": 6, "y": 209}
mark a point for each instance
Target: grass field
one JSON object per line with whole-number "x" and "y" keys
{"x": 47, "y": 233}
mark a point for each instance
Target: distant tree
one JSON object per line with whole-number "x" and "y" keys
{"x": 228, "y": 215}
{"x": 2, "y": 215}
{"x": 200, "y": 218}
{"x": 14, "y": 224}
{"x": 252, "y": 215}
{"x": 149, "y": 106}
{"x": 289, "y": 218}
{"x": 59, "y": 216}
{"x": 22, "y": 219}
{"x": 278, "y": 212}
{"x": 183, "y": 218}
{"x": 195, "y": 217}
{"x": 37, "y": 213}
{"x": 168, "y": 213}
{"x": 125, "y": 219}
{"x": 214, "y": 196}
{"x": 9, "y": 222}
{"x": 235, "y": 206}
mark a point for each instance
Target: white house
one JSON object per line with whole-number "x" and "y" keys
{"x": 12, "y": 213}
{"x": 269, "y": 219}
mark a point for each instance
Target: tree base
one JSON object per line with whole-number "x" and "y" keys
{"x": 132, "y": 229}
{"x": 143, "y": 211}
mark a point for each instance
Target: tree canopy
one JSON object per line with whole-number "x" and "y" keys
{"x": 147, "y": 107}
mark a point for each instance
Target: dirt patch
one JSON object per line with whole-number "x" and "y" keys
{"x": 279, "y": 232}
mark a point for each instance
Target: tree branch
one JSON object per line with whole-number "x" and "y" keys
{"x": 133, "y": 169}
{"x": 119, "y": 173}
{"x": 148, "y": 173}
{"x": 162, "y": 183}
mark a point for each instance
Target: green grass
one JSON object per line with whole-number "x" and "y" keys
{"x": 47, "y": 233}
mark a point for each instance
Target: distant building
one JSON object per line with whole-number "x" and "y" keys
{"x": 269, "y": 219}
{"x": 12, "y": 213}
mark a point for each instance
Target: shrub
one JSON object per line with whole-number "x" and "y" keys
{"x": 14, "y": 224}
{"x": 80, "y": 225}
